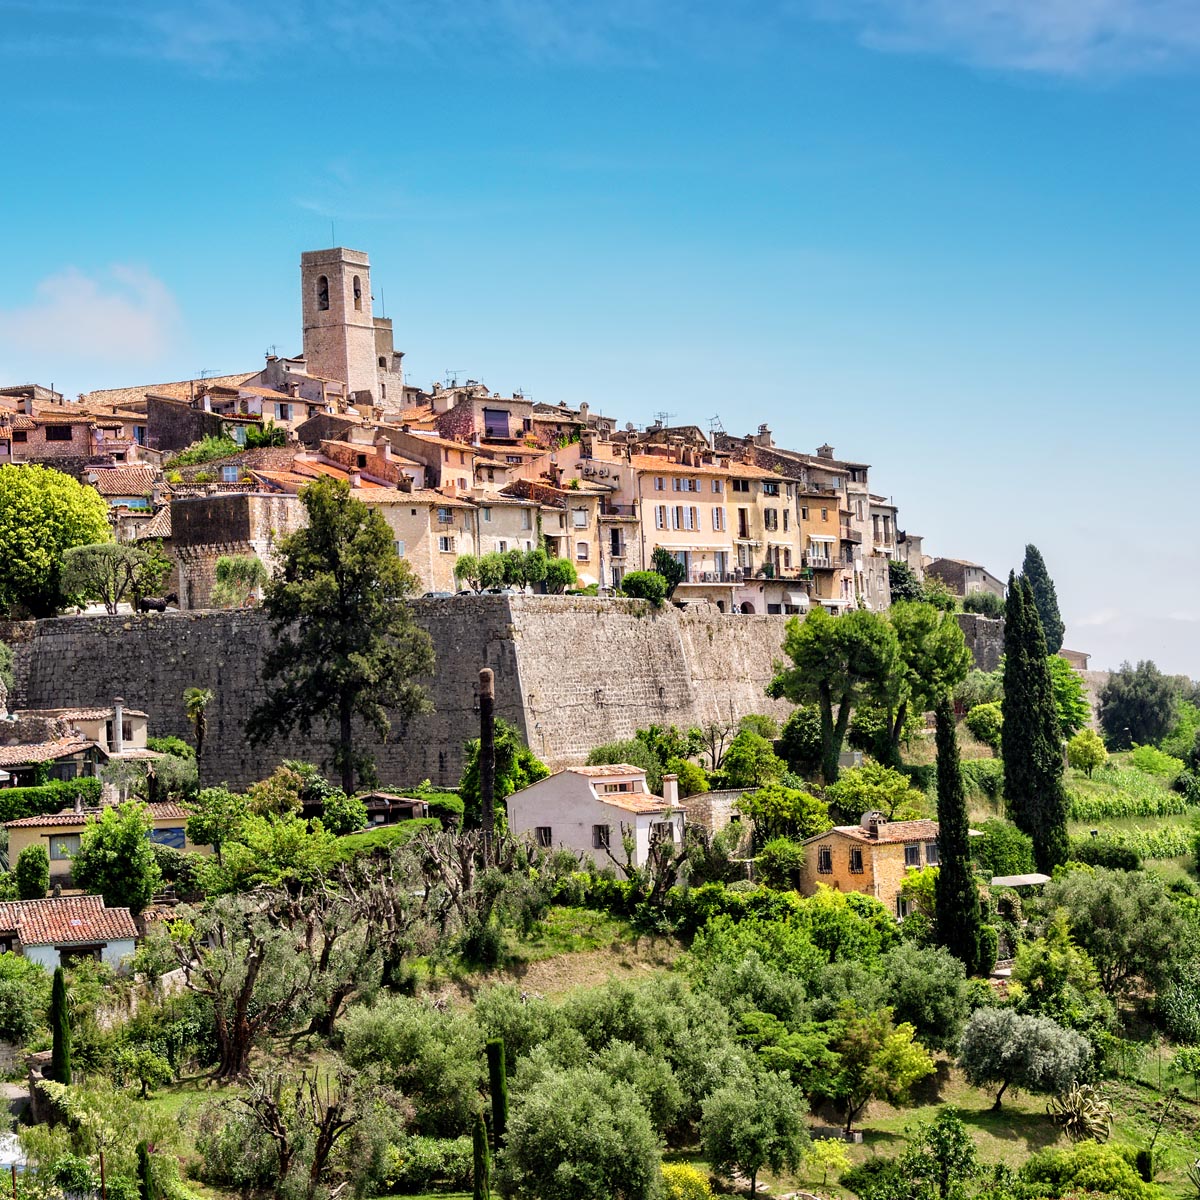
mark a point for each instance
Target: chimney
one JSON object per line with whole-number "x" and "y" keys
{"x": 27, "y": 405}
{"x": 206, "y": 403}
{"x": 294, "y": 388}
{"x": 355, "y": 479}
{"x": 871, "y": 822}
{"x": 79, "y": 802}
{"x": 671, "y": 789}
{"x": 384, "y": 448}
{"x": 118, "y": 734}
{"x": 584, "y": 409}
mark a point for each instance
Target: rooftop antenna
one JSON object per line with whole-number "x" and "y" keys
{"x": 205, "y": 372}
{"x": 382, "y": 305}
{"x": 715, "y": 424}
{"x": 663, "y": 417}
{"x": 452, "y": 374}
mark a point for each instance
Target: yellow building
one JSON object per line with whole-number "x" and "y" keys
{"x": 60, "y": 833}
{"x": 873, "y": 857}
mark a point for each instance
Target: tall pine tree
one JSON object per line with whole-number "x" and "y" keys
{"x": 1045, "y": 597}
{"x": 1031, "y": 737}
{"x": 60, "y": 1030}
{"x": 957, "y": 898}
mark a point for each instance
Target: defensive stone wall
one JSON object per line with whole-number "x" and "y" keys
{"x": 985, "y": 639}
{"x": 571, "y": 672}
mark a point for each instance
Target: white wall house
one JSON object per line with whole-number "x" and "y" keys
{"x": 587, "y": 809}
{"x": 57, "y": 929}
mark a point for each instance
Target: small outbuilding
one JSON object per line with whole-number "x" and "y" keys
{"x": 57, "y": 930}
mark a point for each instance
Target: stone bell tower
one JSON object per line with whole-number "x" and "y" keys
{"x": 339, "y": 330}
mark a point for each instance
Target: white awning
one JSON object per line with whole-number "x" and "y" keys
{"x": 799, "y": 599}
{"x": 820, "y": 537}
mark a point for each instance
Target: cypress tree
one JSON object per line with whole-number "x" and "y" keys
{"x": 482, "y": 1173}
{"x": 1045, "y": 597}
{"x": 1016, "y": 734}
{"x": 957, "y": 897}
{"x": 498, "y": 1085}
{"x": 1048, "y": 795}
{"x": 60, "y": 1028}
{"x": 147, "y": 1189}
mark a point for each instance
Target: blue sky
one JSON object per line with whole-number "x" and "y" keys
{"x": 958, "y": 241}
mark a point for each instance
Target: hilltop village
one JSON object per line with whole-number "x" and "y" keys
{"x": 211, "y": 467}
{"x": 440, "y": 793}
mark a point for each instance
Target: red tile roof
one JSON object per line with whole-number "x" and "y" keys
{"x": 889, "y": 832}
{"x": 36, "y": 752}
{"x": 66, "y": 920}
{"x": 68, "y": 817}
{"x": 123, "y": 481}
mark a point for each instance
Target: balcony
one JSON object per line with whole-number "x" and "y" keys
{"x": 619, "y": 512}
{"x": 820, "y": 562}
{"x": 851, "y": 535}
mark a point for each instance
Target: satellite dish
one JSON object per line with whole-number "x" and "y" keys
{"x": 630, "y": 427}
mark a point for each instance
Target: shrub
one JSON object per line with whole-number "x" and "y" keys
{"x": 645, "y": 585}
{"x": 779, "y": 863}
{"x": 50, "y": 797}
{"x": 416, "y": 1164}
{"x": 560, "y": 574}
{"x": 985, "y": 721}
{"x": 634, "y": 752}
{"x": 1086, "y": 1167}
{"x": 682, "y": 1181}
{"x": 171, "y": 745}
{"x": 1179, "y": 1006}
{"x": 989, "y": 947}
{"x": 1136, "y": 795}
{"x": 692, "y": 779}
{"x": 1003, "y": 849}
{"x": 342, "y": 814}
{"x": 984, "y": 776}
{"x": 1104, "y": 852}
{"x": 208, "y": 449}
{"x": 874, "y": 787}
{"x": 986, "y": 604}
{"x": 32, "y": 873}
{"x": 1153, "y": 761}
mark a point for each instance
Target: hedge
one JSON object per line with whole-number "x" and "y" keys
{"x": 49, "y": 797}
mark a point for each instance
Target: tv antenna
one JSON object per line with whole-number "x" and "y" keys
{"x": 452, "y": 374}
{"x": 715, "y": 424}
{"x": 663, "y": 417}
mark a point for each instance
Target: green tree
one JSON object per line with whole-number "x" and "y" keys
{"x": 238, "y": 578}
{"x": 144, "y": 1066}
{"x": 877, "y": 1060}
{"x": 958, "y": 915}
{"x": 800, "y": 740}
{"x": 669, "y": 567}
{"x": 837, "y": 662}
{"x": 1003, "y": 849}
{"x": 875, "y": 788}
{"x": 116, "y": 858}
{"x": 634, "y": 752}
{"x": 986, "y": 604}
{"x": 1137, "y": 705}
{"x": 904, "y": 583}
{"x": 1045, "y": 598}
{"x": 942, "y": 1154}
{"x": 1031, "y": 734}
{"x": 1055, "y": 977}
{"x": 6, "y": 669}
{"x": 779, "y": 811}
{"x": 24, "y": 997}
{"x": 926, "y": 986}
{"x": 579, "y": 1135}
{"x": 933, "y": 661}
{"x": 498, "y": 1088}
{"x": 60, "y": 1030}
{"x": 342, "y": 814}
{"x": 492, "y": 568}
{"x": 749, "y": 1126}
{"x": 986, "y": 721}
{"x": 111, "y": 572}
{"x": 346, "y": 645}
{"x": 32, "y": 873}
{"x": 560, "y": 575}
{"x": 534, "y": 566}
{"x": 216, "y": 817}
{"x": 147, "y": 1185}
{"x": 481, "y": 1166}
{"x": 645, "y": 585}
{"x": 516, "y": 767}
{"x": 1086, "y": 752}
{"x": 195, "y": 705}
{"x": 826, "y": 1155}
{"x": 751, "y": 761}
{"x": 1070, "y": 700}
{"x": 1035, "y": 1054}
{"x": 466, "y": 571}
{"x": 43, "y": 514}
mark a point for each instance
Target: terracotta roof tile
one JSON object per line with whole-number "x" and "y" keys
{"x": 606, "y": 769}
{"x": 35, "y": 752}
{"x": 69, "y": 817}
{"x": 123, "y": 481}
{"x": 159, "y": 526}
{"x": 181, "y": 390}
{"x": 889, "y": 832}
{"x": 664, "y": 466}
{"x": 66, "y": 920}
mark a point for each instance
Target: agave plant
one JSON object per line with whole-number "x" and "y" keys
{"x": 1082, "y": 1112}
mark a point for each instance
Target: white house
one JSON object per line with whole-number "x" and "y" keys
{"x": 54, "y": 931}
{"x": 588, "y": 809}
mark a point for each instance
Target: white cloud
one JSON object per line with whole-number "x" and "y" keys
{"x": 124, "y": 315}
{"x": 1062, "y": 37}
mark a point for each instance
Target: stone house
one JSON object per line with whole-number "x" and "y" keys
{"x": 963, "y": 577}
{"x": 430, "y": 529}
{"x": 60, "y": 833}
{"x": 125, "y": 487}
{"x": 55, "y": 931}
{"x": 589, "y": 809}
{"x": 872, "y": 857}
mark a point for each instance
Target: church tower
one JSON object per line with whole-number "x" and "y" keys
{"x": 339, "y": 330}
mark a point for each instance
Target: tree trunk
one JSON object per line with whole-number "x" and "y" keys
{"x": 829, "y": 748}
{"x": 996, "y": 1105}
{"x": 753, "y": 1182}
{"x": 346, "y": 745}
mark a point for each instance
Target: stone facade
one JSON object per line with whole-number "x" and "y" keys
{"x": 985, "y": 639}
{"x": 571, "y": 673}
{"x": 206, "y": 528}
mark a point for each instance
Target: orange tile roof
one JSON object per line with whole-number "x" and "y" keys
{"x": 320, "y": 468}
{"x": 68, "y": 817}
{"x": 180, "y": 390}
{"x": 38, "y": 752}
{"x": 606, "y": 769}
{"x": 638, "y": 802}
{"x": 664, "y": 466}
{"x": 889, "y": 832}
{"x": 124, "y": 481}
{"x": 159, "y": 526}
{"x": 66, "y": 920}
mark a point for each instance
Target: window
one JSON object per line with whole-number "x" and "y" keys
{"x": 445, "y": 516}
{"x": 64, "y": 846}
{"x": 485, "y": 513}
{"x": 382, "y": 363}
{"x": 239, "y": 434}
{"x": 19, "y": 435}
{"x": 357, "y": 294}
{"x": 579, "y": 518}
{"x": 502, "y": 546}
{"x": 600, "y": 836}
{"x": 58, "y": 433}
{"x": 322, "y": 293}
{"x": 718, "y": 518}
{"x": 787, "y": 519}
{"x": 610, "y": 789}
{"x": 581, "y": 551}
{"x": 931, "y": 854}
{"x": 399, "y": 549}
{"x": 912, "y": 856}
{"x": 716, "y": 486}
{"x": 824, "y": 860}
{"x": 741, "y": 485}
{"x": 824, "y": 514}
{"x": 804, "y": 512}
{"x": 660, "y": 516}
{"x": 787, "y": 558}
{"x": 229, "y": 474}
{"x": 526, "y": 517}
{"x": 284, "y": 411}
{"x": 771, "y": 519}
{"x": 660, "y": 483}
{"x": 770, "y": 489}
{"x": 661, "y": 831}
{"x": 856, "y": 865}
{"x": 544, "y": 835}
{"x": 446, "y": 544}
